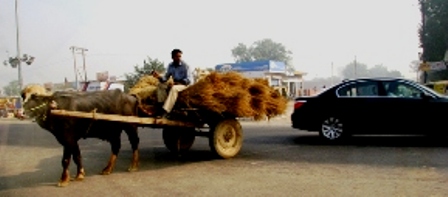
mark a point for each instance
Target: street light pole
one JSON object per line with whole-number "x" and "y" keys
{"x": 19, "y": 65}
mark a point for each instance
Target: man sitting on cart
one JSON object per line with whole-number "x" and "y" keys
{"x": 179, "y": 71}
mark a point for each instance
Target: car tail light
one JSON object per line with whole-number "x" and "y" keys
{"x": 299, "y": 104}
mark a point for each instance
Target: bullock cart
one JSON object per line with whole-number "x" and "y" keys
{"x": 181, "y": 128}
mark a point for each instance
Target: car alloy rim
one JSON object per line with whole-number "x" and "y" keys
{"x": 332, "y": 128}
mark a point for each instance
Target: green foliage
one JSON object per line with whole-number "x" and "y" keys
{"x": 149, "y": 65}
{"x": 433, "y": 34}
{"x": 265, "y": 49}
{"x": 12, "y": 89}
{"x": 434, "y": 29}
{"x": 242, "y": 53}
{"x": 362, "y": 70}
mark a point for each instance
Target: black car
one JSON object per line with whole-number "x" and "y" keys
{"x": 372, "y": 106}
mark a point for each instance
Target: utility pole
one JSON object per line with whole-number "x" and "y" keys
{"x": 332, "y": 74}
{"x": 423, "y": 56}
{"x": 16, "y": 62}
{"x": 84, "y": 62}
{"x": 83, "y": 50}
{"x": 73, "y": 48}
{"x": 355, "y": 68}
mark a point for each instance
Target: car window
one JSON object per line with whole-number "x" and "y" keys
{"x": 359, "y": 89}
{"x": 403, "y": 90}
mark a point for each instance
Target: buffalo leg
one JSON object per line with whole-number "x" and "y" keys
{"x": 115, "y": 145}
{"x": 134, "y": 140}
{"x": 78, "y": 161}
{"x": 65, "y": 177}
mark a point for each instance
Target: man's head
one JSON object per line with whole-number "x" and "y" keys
{"x": 176, "y": 55}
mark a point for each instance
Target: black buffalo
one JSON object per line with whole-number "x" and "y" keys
{"x": 69, "y": 130}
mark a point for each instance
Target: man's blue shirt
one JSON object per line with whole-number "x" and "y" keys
{"x": 179, "y": 72}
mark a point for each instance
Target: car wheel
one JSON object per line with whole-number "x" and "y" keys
{"x": 332, "y": 128}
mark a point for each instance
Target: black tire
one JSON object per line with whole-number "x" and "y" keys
{"x": 333, "y": 128}
{"x": 178, "y": 139}
{"x": 226, "y": 138}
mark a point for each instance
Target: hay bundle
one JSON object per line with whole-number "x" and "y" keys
{"x": 146, "y": 92}
{"x": 145, "y": 88}
{"x": 34, "y": 89}
{"x": 231, "y": 93}
{"x": 228, "y": 93}
{"x": 145, "y": 81}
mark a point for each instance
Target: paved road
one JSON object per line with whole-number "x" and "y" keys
{"x": 275, "y": 160}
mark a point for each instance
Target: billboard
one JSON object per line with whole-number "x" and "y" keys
{"x": 265, "y": 66}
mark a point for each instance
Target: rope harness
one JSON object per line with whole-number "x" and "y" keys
{"x": 43, "y": 116}
{"x": 53, "y": 105}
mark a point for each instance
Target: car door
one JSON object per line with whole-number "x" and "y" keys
{"x": 432, "y": 112}
{"x": 434, "y": 120}
{"x": 357, "y": 103}
{"x": 404, "y": 108}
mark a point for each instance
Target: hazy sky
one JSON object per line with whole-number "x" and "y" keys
{"x": 120, "y": 34}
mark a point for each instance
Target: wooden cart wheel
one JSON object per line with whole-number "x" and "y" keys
{"x": 178, "y": 139}
{"x": 226, "y": 138}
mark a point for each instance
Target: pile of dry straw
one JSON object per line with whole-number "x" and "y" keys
{"x": 34, "y": 89}
{"x": 229, "y": 93}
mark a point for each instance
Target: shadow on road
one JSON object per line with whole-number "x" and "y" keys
{"x": 27, "y": 135}
{"x": 95, "y": 156}
{"x": 311, "y": 139}
{"x": 44, "y": 175}
{"x": 376, "y": 141}
{"x": 392, "y": 151}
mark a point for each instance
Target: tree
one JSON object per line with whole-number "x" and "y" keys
{"x": 149, "y": 65}
{"x": 12, "y": 89}
{"x": 433, "y": 30}
{"x": 433, "y": 34}
{"x": 362, "y": 70}
{"x": 242, "y": 53}
{"x": 348, "y": 71}
{"x": 265, "y": 49}
{"x": 382, "y": 71}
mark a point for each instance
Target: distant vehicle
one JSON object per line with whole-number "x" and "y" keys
{"x": 10, "y": 106}
{"x": 372, "y": 106}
